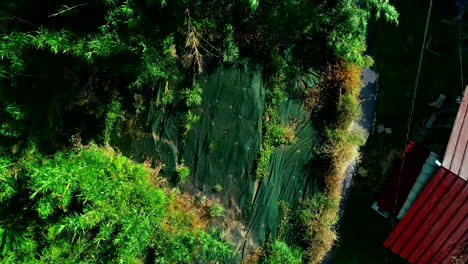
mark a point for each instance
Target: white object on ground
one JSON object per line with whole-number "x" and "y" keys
{"x": 380, "y": 128}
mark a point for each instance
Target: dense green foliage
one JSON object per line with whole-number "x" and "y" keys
{"x": 158, "y": 47}
{"x": 93, "y": 206}
{"x": 111, "y": 57}
{"x": 10, "y": 115}
{"x": 112, "y": 115}
{"x": 126, "y": 28}
{"x": 216, "y": 210}
{"x": 278, "y": 252}
{"x": 183, "y": 172}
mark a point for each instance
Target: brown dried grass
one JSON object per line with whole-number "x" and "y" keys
{"x": 338, "y": 78}
{"x": 320, "y": 245}
{"x": 193, "y": 43}
{"x": 253, "y": 258}
{"x": 184, "y": 215}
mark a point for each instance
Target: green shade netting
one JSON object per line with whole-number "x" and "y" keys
{"x": 222, "y": 148}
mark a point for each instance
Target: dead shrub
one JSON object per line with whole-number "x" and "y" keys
{"x": 353, "y": 80}
{"x": 312, "y": 99}
{"x": 253, "y": 258}
{"x": 184, "y": 215}
{"x": 346, "y": 76}
{"x": 338, "y": 79}
{"x": 288, "y": 132}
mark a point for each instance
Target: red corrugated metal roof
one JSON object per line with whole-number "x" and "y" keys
{"x": 435, "y": 229}
{"x": 456, "y": 154}
{"x": 403, "y": 178}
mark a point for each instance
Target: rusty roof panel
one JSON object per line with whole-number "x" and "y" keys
{"x": 435, "y": 228}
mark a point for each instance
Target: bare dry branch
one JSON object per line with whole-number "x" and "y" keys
{"x": 68, "y": 9}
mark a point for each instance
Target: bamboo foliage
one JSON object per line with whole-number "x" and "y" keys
{"x": 96, "y": 206}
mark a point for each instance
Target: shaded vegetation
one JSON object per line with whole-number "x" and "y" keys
{"x": 396, "y": 52}
{"x": 81, "y": 205}
{"x": 274, "y": 132}
{"x": 183, "y": 172}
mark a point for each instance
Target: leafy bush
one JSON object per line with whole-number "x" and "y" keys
{"x": 275, "y": 252}
{"x": 274, "y": 133}
{"x": 263, "y": 162}
{"x": 11, "y": 116}
{"x": 348, "y": 34}
{"x": 193, "y": 97}
{"x": 284, "y": 216}
{"x": 218, "y": 188}
{"x": 231, "y": 51}
{"x": 189, "y": 120}
{"x": 348, "y": 110}
{"x": 279, "y": 252}
{"x": 167, "y": 98}
{"x": 113, "y": 113}
{"x": 94, "y": 205}
{"x": 216, "y": 210}
{"x": 183, "y": 172}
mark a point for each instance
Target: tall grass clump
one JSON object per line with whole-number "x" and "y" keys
{"x": 316, "y": 218}
{"x": 337, "y": 103}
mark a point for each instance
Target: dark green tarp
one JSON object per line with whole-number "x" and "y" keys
{"x": 222, "y": 148}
